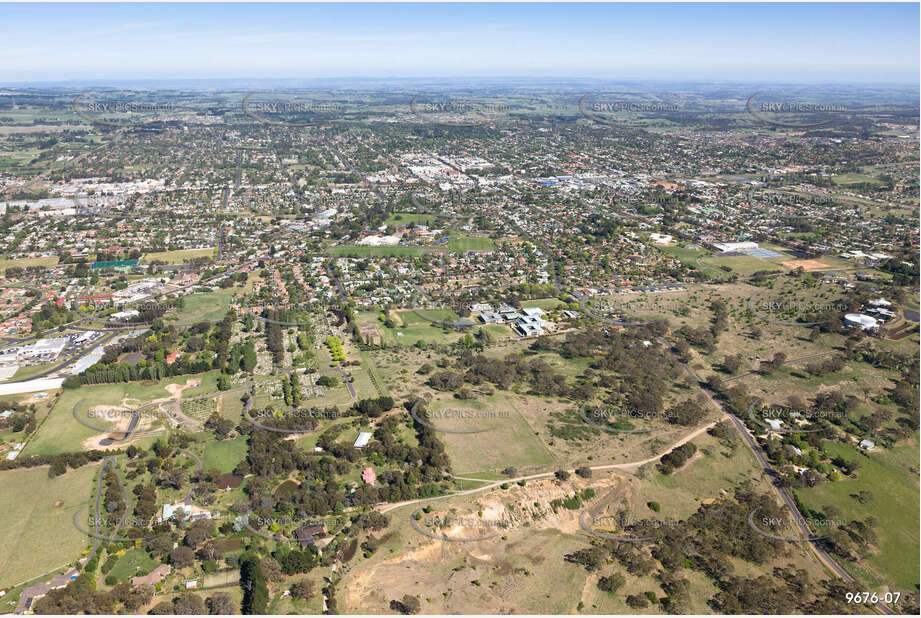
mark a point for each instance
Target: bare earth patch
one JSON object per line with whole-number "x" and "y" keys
{"x": 807, "y": 265}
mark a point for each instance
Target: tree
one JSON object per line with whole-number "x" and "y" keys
{"x": 219, "y": 425}
{"x": 255, "y": 591}
{"x": 612, "y": 583}
{"x": 637, "y": 601}
{"x": 407, "y": 605}
{"x": 222, "y": 603}
{"x": 199, "y": 532}
{"x": 182, "y": 556}
{"x": 189, "y": 603}
{"x": 271, "y": 570}
{"x": 302, "y": 589}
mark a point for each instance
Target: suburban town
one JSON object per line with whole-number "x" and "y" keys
{"x": 448, "y": 346}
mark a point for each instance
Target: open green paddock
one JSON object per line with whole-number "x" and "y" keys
{"x": 38, "y": 536}
{"x": 5, "y": 262}
{"x": 405, "y": 218}
{"x": 547, "y": 304}
{"x": 224, "y": 455}
{"x": 888, "y": 475}
{"x": 135, "y": 561}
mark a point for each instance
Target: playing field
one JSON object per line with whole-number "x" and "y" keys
{"x": 855, "y": 179}
{"x": 405, "y": 218}
{"x": 362, "y": 251}
{"x": 807, "y": 265}
{"x": 211, "y": 306}
{"x": 36, "y": 535}
{"x": 26, "y": 262}
{"x": 178, "y": 257}
{"x": 462, "y": 243}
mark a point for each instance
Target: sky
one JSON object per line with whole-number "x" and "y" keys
{"x": 844, "y": 43}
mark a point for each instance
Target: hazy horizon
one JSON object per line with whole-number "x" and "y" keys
{"x": 736, "y": 43}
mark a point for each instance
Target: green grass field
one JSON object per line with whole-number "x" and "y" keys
{"x": 405, "y": 218}
{"x": 464, "y": 243}
{"x": 362, "y": 251}
{"x": 36, "y": 535}
{"x": 547, "y": 304}
{"x": 224, "y": 455}
{"x": 887, "y": 474}
{"x": 136, "y": 561}
{"x": 178, "y": 257}
{"x": 415, "y": 327}
{"x": 854, "y": 179}
{"x": 685, "y": 255}
{"x": 210, "y": 306}
{"x": 26, "y": 262}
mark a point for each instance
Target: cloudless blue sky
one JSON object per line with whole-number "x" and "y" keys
{"x": 739, "y": 42}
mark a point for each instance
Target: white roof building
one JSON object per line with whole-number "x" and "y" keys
{"x": 533, "y": 312}
{"x": 864, "y": 321}
{"x": 363, "y": 438}
{"x": 726, "y": 247}
{"x": 125, "y": 315}
{"x": 774, "y": 423}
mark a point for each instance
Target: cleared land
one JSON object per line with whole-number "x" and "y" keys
{"x": 36, "y": 535}
{"x": 26, "y": 262}
{"x": 178, "y": 257}
{"x": 887, "y": 475}
{"x": 224, "y": 455}
{"x": 362, "y": 251}
{"x": 211, "y": 306}
{"x": 62, "y": 433}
